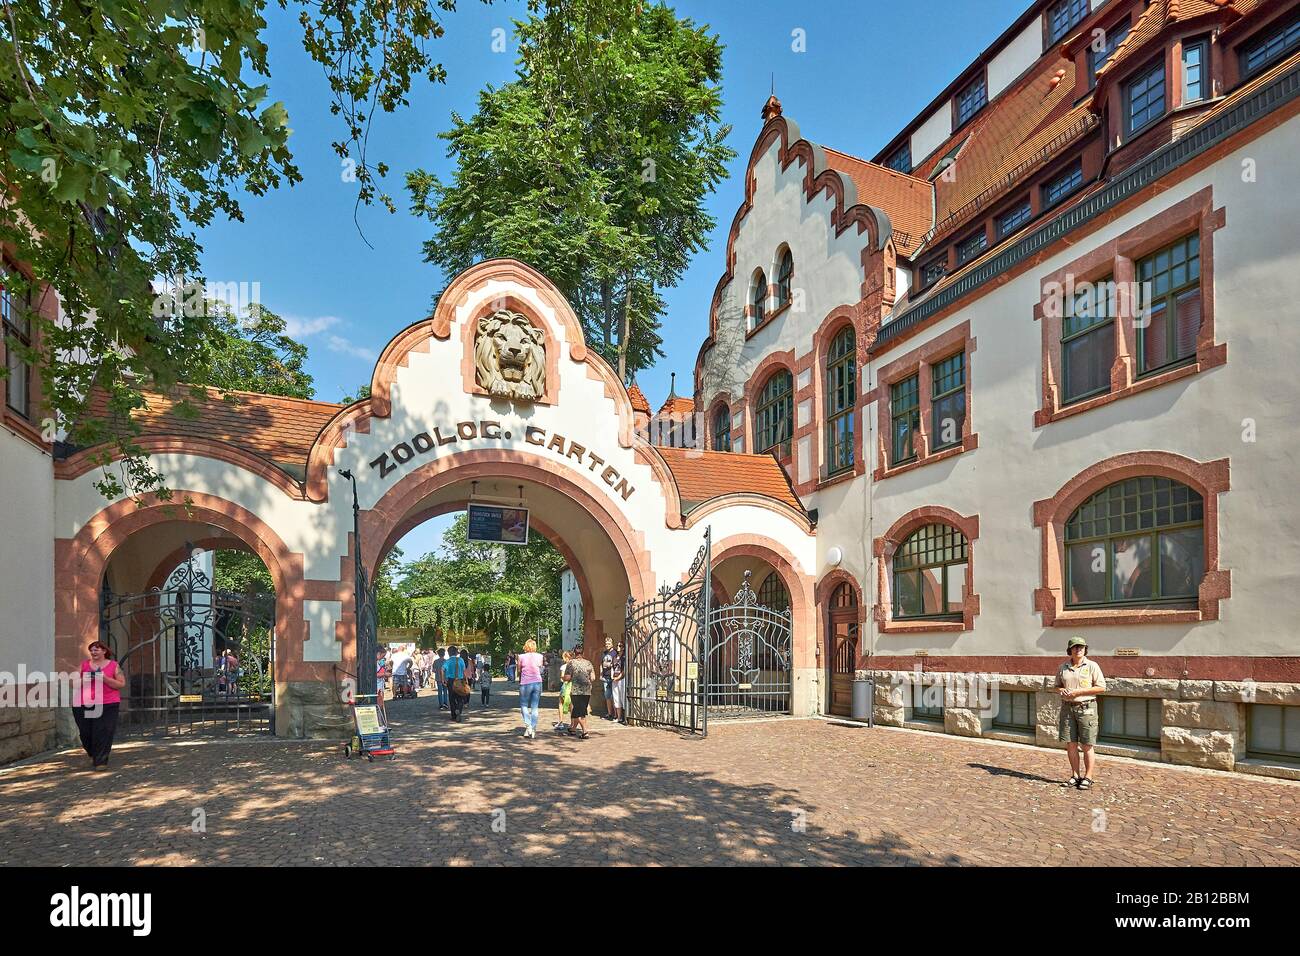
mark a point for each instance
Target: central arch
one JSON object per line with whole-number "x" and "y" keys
{"x": 574, "y": 514}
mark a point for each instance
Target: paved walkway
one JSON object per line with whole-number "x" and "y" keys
{"x": 788, "y": 792}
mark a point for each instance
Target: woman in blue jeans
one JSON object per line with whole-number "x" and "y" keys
{"x": 530, "y": 686}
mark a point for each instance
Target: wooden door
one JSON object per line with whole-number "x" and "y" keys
{"x": 843, "y": 663}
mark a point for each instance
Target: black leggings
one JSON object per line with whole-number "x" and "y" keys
{"x": 485, "y": 690}
{"x": 97, "y": 732}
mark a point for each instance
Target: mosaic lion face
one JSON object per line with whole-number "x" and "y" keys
{"x": 510, "y": 356}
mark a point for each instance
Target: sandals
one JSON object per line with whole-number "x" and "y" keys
{"x": 1074, "y": 781}
{"x": 1085, "y": 784}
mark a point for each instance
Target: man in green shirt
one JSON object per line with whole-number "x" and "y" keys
{"x": 1080, "y": 682}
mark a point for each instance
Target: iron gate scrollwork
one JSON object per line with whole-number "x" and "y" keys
{"x": 195, "y": 658}
{"x": 748, "y": 662}
{"x": 663, "y": 641}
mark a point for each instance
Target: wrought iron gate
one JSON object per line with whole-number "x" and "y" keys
{"x": 688, "y": 661}
{"x": 663, "y": 641}
{"x": 748, "y": 659}
{"x": 174, "y": 645}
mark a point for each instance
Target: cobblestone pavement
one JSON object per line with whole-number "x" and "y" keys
{"x": 789, "y": 792}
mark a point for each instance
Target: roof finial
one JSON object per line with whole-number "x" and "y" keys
{"x": 672, "y": 387}
{"x": 773, "y": 106}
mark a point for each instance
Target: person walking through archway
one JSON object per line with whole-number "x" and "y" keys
{"x": 580, "y": 676}
{"x": 453, "y": 672}
{"x": 98, "y": 699}
{"x": 530, "y": 686}
{"x": 471, "y": 673}
{"x": 565, "y": 705}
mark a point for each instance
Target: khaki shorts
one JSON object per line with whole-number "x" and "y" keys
{"x": 1078, "y": 724}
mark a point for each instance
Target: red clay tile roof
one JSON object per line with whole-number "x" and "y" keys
{"x": 907, "y": 200}
{"x": 1014, "y": 135}
{"x": 1162, "y": 13}
{"x": 676, "y": 405}
{"x": 639, "y": 402}
{"x": 702, "y": 475}
{"x": 278, "y": 429}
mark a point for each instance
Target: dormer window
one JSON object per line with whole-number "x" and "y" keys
{"x": 1063, "y": 184}
{"x": 1196, "y": 57}
{"x": 1014, "y": 218}
{"x": 1272, "y": 45}
{"x": 971, "y": 100}
{"x": 784, "y": 277}
{"x": 1109, "y": 42}
{"x": 758, "y": 299}
{"x": 1144, "y": 98}
{"x": 933, "y": 271}
{"x": 972, "y": 246}
{"x": 1062, "y": 17}
{"x": 901, "y": 160}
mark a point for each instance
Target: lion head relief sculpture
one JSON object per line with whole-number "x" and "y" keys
{"x": 510, "y": 356}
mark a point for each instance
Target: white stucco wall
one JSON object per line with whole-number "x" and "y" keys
{"x": 27, "y": 537}
{"x": 931, "y": 134}
{"x": 1016, "y": 57}
{"x": 1256, "y": 287}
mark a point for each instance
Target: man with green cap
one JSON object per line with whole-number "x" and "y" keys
{"x": 1080, "y": 682}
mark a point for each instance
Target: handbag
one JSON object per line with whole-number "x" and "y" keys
{"x": 460, "y": 687}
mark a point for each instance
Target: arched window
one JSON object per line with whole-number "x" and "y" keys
{"x": 784, "y": 276}
{"x": 772, "y": 593}
{"x": 774, "y": 420}
{"x": 930, "y": 573}
{"x": 841, "y": 393}
{"x": 758, "y": 299}
{"x": 722, "y": 428}
{"x": 844, "y": 596}
{"x": 1139, "y": 541}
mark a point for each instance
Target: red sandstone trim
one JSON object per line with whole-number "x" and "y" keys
{"x": 919, "y": 362}
{"x": 740, "y": 498}
{"x": 884, "y": 548}
{"x": 1118, "y": 258}
{"x": 1209, "y": 479}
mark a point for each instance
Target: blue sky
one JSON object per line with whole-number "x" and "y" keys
{"x": 866, "y": 69}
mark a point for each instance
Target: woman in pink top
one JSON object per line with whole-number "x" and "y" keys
{"x": 530, "y": 686}
{"x": 98, "y": 700}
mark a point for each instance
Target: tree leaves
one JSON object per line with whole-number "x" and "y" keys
{"x": 130, "y": 124}
{"x": 593, "y": 166}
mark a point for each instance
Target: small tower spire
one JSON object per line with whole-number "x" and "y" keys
{"x": 773, "y": 106}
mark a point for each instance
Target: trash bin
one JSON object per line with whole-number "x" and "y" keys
{"x": 864, "y": 693}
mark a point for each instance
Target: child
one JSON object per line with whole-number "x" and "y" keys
{"x": 485, "y": 683}
{"x": 566, "y": 705}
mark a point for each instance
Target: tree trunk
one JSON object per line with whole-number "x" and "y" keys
{"x": 626, "y": 333}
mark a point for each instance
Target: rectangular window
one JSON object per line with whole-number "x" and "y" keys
{"x": 1088, "y": 341}
{"x": 1272, "y": 45}
{"x": 905, "y": 410}
{"x": 16, "y": 327}
{"x": 1103, "y": 48}
{"x": 1014, "y": 218}
{"x": 1168, "y": 310}
{"x": 1273, "y": 731}
{"x": 901, "y": 159}
{"x": 1130, "y": 720}
{"x": 948, "y": 403}
{"x": 1016, "y": 710}
{"x": 933, "y": 271}
{"x": 1062, "y": 185}
{"x": 1063, "y": 15}
{"x": 972, "y": 246}
{"x": 971, "y": 100}
{"x": 1144, "y": 98}
{"x": 1195, "y": 77}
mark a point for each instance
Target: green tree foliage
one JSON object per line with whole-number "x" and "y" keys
{"x": 252, "y": 353}
{"x": 592, "y": 166}
{"x": 127, "y": 126}
{"x": 507, "y": 592}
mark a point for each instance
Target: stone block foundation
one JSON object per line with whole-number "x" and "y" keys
{"x": 1203, "y": 723}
